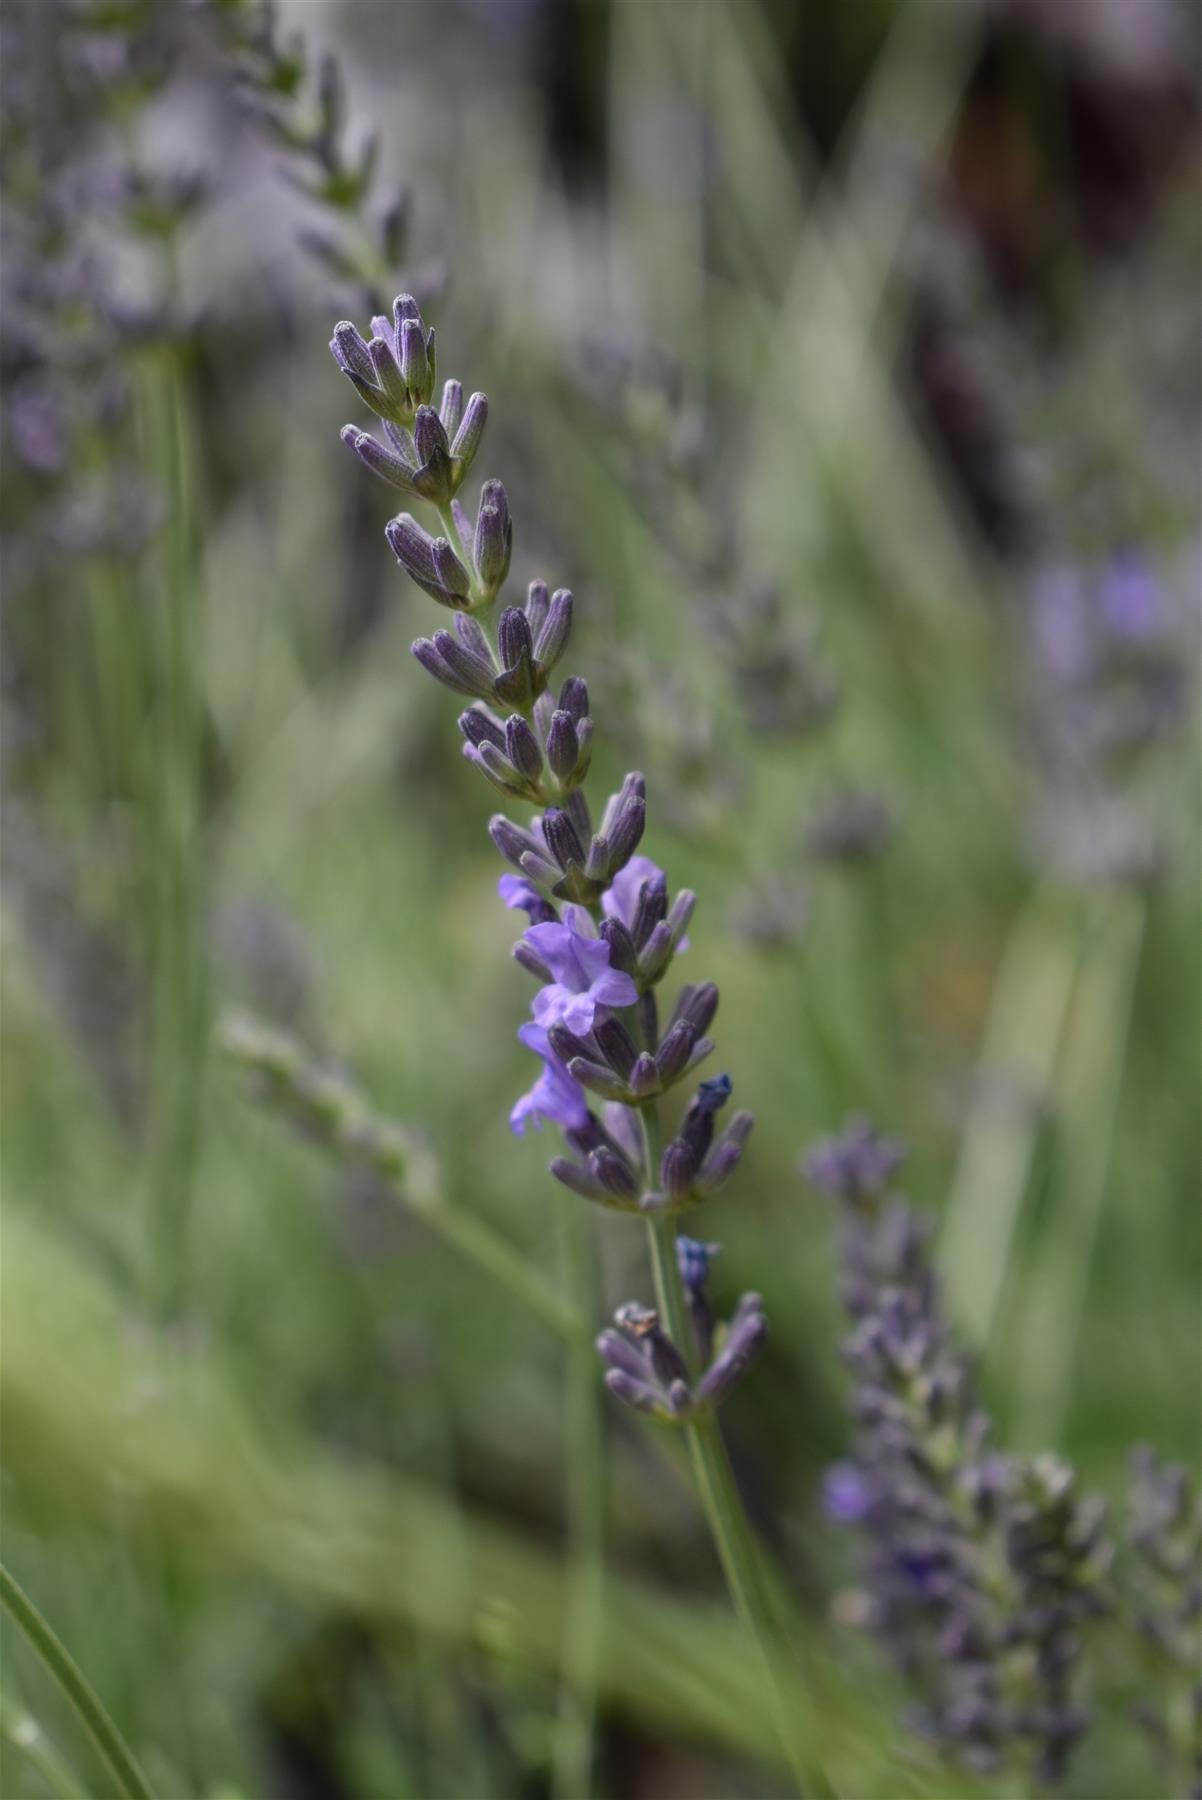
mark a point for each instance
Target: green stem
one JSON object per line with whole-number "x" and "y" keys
{"x": 737, "y": 1550}
{"x": 180, "y": 990}
{"x": 480, "y": 1244}
{"x": 104, "y": 1733}
{"x": 584, "y": 1468}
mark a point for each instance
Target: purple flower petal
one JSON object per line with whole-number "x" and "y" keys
{"x": 613, "y": 988}
{"x": 554, "y": 1096}
{"x": 621, "y": 898}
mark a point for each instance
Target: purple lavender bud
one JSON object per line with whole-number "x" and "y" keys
{"x": 573, "y": 697}
{"x": 350, "y": 353}
{"x": 634, "y": 787}
{"x": 466, "y": 439}
{"x": 618, "y": 1352}
{"x": 429, "y": 435}
{"x": 672, "y": 1057}
{"x": 472, "y": 670}
{"x": 480, "y": 726}
{"x": 392, "y": 397}
{"x": 553, "y": 637}
{"x": 579, "y": 1179}
{"x": 597, "y": 1078}
{"x": 726, "y": 1156}
{"x": 631, "y": 1392}
{"x": 435, "y": 479}
{"x": 427, "y": 655}
{"x": 623, "y": 1128}
{"x": 693, "y": 1261}
{"x": 748, "y": 1332}
{"x": 613, "y": 1173}
{"x": 680, "y": 1401}
{"x": 679, "y": 916}
{"x": 561, "y": 837}
{"x": 622, "y": 953}
{"x": 416, "y": 366}
{"x": 650, "y": 907}
{"x": 626, "y": 834}
{"x": 430, "y": 562}
{"x": 521, "y": 746}
{"x": 567, "y": 1044}
{"x": 386, "y": 464}
{"x": 533, "y": 964}
{"x": 597, "y": 861}
{"x": 464, "y": 662}
{"x": 563, "y": 747}
{"x": 500, "y": 771}
{"x": 642, "y": 1323}
{"x": 656, "y": 953}
{"x": 713, "y": 1094}
{"x": 452, "y": 577}
{"x": 494, "y": 539}
{"x": 513, "y": 639}
{"x": 474, "y": 638}
{"x": 450, "y": 409}
{"x": 644, "y": 1077}
{"x": 511, "y": 840}
{"x": 539, "y": 869}
{"x": 616, "y": 1044}
{"x": 699, "y": 1007}
{"x": 697, "y": 1131}
{"x": 538, "y": 601}
{"x": 677, "y": 1167}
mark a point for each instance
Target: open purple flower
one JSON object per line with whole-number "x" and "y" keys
{"x": 521, "y": 895}
{"x": 581, "y": 977}
{"x": 554, "y": 1096}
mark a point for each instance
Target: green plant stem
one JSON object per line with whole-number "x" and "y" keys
{"x": 180, "y": 986}
{"x": 1091, "y": 1083}
{"x": 737, "y": 1550}
{"x": 584, "y": 1472}
{"x": 480, "y": 1244}
{"x": 1028, "y": 1007}
{"x": 117, "y": 1754}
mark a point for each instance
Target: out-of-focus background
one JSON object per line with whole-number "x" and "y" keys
{"x": 844, "y": 360}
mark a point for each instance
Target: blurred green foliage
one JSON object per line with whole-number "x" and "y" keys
{"x": 282, "y": 1467}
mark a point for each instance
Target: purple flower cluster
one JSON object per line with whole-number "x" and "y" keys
{"x": 982, "y": 1568}
{"x": 1109, "y": 678}
{"x": 604, "y": 929}
{"x": 645, "y": 1369}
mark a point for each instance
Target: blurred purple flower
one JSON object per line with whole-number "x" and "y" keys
{"x": 845, "y": 1496}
